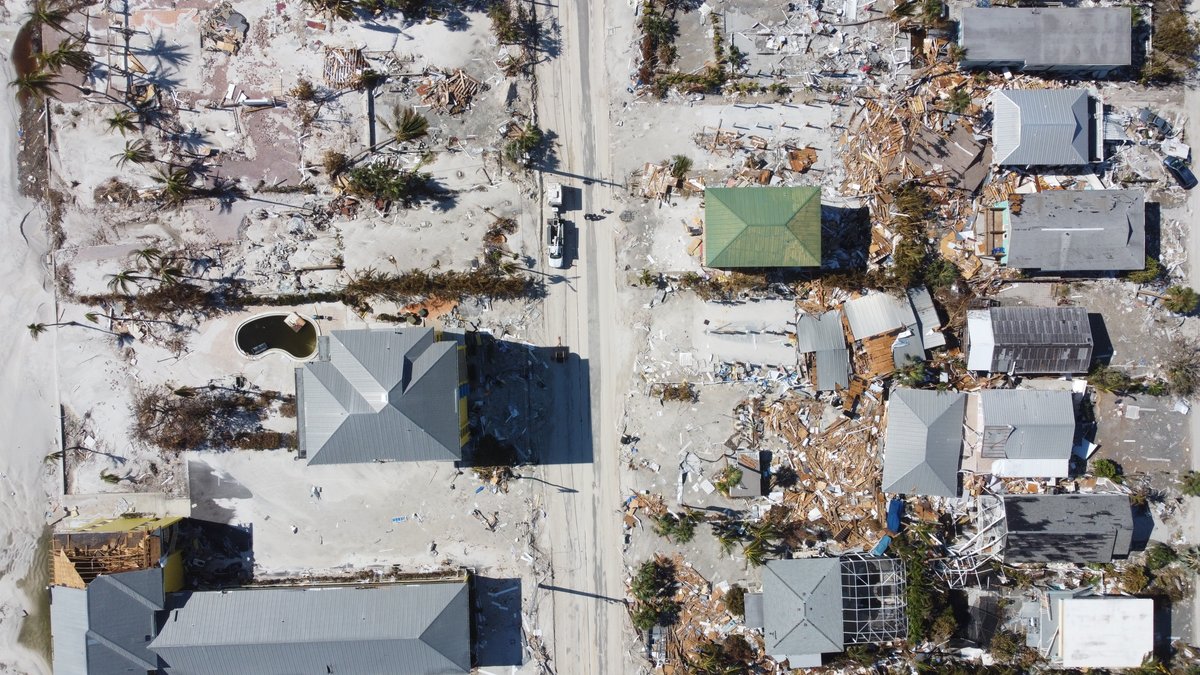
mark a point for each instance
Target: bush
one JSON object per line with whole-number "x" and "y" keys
{"x": 1134, "y": 579}
{"x": 1191, "y": 484}
{"x": 735, "y": 601}
{"x": 1159, "y": 556}
{"x": 1109, "y": 379}
{"x": 1175, "y": 35}
{"x": 1007, "y": 646}
{"x": 729, "y": 477}
{"x": 1107, "y": 468}
{"x": 1151, "y": 273}
{"x": 334, "y": 162}
{"x": 1183, "y": 369}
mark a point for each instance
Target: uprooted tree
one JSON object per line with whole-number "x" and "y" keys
{"x": 199, "y": 418}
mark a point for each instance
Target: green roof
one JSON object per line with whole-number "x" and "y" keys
{"x": 762, "y": 227}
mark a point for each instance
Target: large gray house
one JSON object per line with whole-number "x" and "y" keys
{"x": 1062, "y": 39}
{"x": 395, "y": 394}
{"x": 1046, "y": 127}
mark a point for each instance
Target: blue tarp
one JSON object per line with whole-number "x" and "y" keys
{"x": 882, "y": 546}
{"x": 895, "y": 510}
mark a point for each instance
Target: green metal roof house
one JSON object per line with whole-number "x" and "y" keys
{"x": 762, "y": 227}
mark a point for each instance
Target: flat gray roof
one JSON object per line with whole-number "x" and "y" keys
{"x": 1078, "y": 231}
{"x": 1027, "y": 423}
{"x": 1084, "y": 38}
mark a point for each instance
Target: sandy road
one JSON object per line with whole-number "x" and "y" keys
{"x": 583, "y": 536}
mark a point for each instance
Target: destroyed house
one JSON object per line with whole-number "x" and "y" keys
{"x": 122, "y": 544}
{"x": 1026, "y": 433}
{"x": 1046, "y": 127}
{"x": 1029, "y": 340}
{"x": 1064, "y": 39}
{"x": 823, "y": 339}
{"x": 1078, "y": 629}
{"x": 762, "y": 227}
{"x": 396, "y": 394}
{"x": 814, "y": 606}
{"x": 125, "y": 623}
{"x": 923, "y": 442}
{"x": 1071, "y": 231}
{"x": 894, "y": 329}
{"x": 1069, "y": 528}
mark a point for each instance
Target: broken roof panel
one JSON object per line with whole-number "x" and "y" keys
{"x": 762, "y": 227}
{"x": 927, "y": 318}
{"x": 823, "y": 336}
{"x": 1074, "y": 528}
{"x": 923, "y": 444}
{"x": 1042, "y": 127}
{"x": 1078, "y": 231}
{"x": 1047, "y": 38}
{"x": 878, "y": 313}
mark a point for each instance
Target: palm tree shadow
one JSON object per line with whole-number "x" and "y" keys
{"x": 170, "y": 54}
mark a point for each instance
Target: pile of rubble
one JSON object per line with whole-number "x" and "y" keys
{"x": 223, "y": 29}
{"x": 449, "y": 92}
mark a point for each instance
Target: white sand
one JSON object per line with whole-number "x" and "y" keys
{"x": 27, "y": 385}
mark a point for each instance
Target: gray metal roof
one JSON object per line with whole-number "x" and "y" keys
{"x": 1078, "y": 231}
{"x": 823, "y": 335}
{"x": 68, "y": 630}
{"x": 418, "y": 629}
{"x": 1041, "y": 38}
{"x": 1027, "y": 423}
{"x": 1031, "y": 340}
{"x": 384, "y": 394}
{"x": 1075, "y": 528}
{"x": 923, "y": 444}
{"x": 927, "y": 318}
{"x": 802, "y": 606}
{"x": 1042, "y": 127}
{"x": 121, "y": 616}
{"x": 878, "y": 313}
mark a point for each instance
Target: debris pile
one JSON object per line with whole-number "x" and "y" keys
{"x": 343, "y": 67}
{"x": 449, "y": 92}
{"x": 223, "y": 29}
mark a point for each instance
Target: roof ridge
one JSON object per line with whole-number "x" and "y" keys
{"x": 123, "y": 652}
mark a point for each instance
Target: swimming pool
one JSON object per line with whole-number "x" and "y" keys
{"x": 271, "y": 332}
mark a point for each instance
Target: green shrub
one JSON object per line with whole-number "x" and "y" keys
{"x": 1107, "y": 468}
{"x": 1149, "y": 274}
{"x": 1191, "y": 484}
{"x": 1159, "y": 556}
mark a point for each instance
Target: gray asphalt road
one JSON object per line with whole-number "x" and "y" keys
{"x": 582, "y": 531}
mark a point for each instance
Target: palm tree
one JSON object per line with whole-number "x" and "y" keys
{"x": 406, "y": 125}
{"x": 37, "y": 84}
{"x": 122, "y": 121}
{"x": 70, "y": 53}
{"x": 176, "y": 185}
{"x": 49, "y": 13}
{"x": 138, "y": 152}
{"x": 120, "y": 282}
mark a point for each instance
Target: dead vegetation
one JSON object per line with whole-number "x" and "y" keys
{"x": 209, "y": 418}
